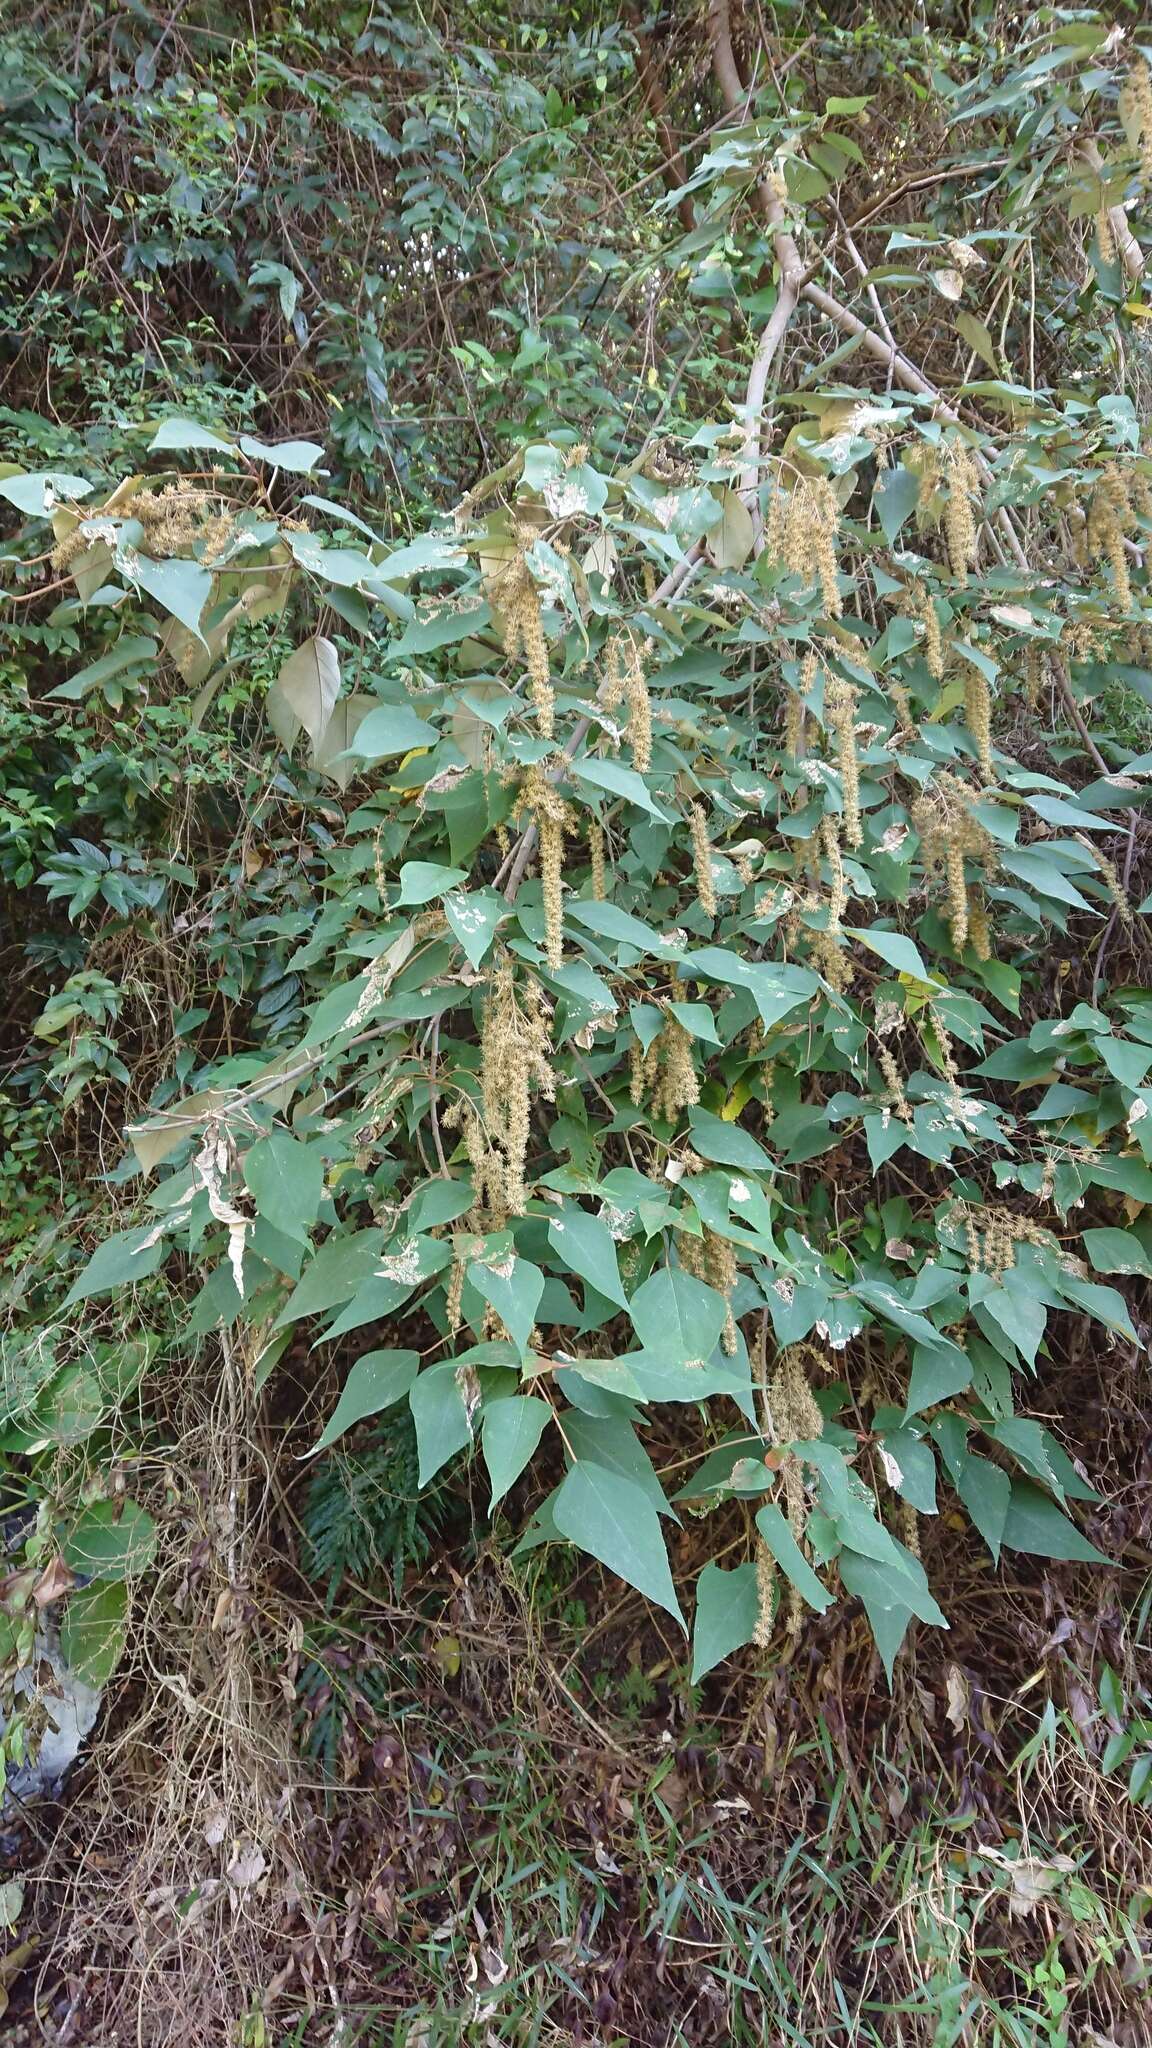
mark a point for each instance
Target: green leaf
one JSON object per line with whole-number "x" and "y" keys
{"x": 93, "y": 1631}
{"x": 882, "y": 1592}
{"x": 1117, "y": 1251}
{"x": 727, "y": 1613}
{"x": 421, "y": 880}
{"x": 1036, "y": 1526}
{"x": 677, "y": 1317}
{"x": 391, "y": 729}
{"x": 130, "y": 649}
{"x": 300, "y": 457}
{"x": 937, "y": 1374}
{"x": 305, "y": 692}
{"x": 340, "y": 1267}
{"x": 727, "y": 1144}
{"x": 183, "y": 588}
{"x": 895, "y": 950}
{"x": 119, "y": 1262}
{"x": 513, "y": 1288}
{"x": 376, "y": 1381}
{"x": 112, "y": 1539}
{"x": 37, "y": 494}
{"x": 773, "y": 1527}
{"x": 587, "y": 1247}
{"x": 440, "y": 1414}
{"x": 614, "y": 1521}
{"x": 509, "y": 1433}
{"x": 474, "y": 917}
{"x": 286, "y": 1182}
{"x": 1126, "y": 1062}
{"x": 185, "y": 437}
{"x": 618, "y": 781}
{"x": 894, "y": 499}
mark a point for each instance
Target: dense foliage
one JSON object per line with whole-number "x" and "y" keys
{"x": 621, "y": 893}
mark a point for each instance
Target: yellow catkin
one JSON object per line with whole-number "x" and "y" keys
{"x": 979, "y": 933}
{"x": 928, "y": 483}
{"x": 960, "y": 529}
{"x": 909, "y": 1527}
{"x": 948, "y": 832}
{"x": 933, "y": 638}
{"x": 453, "y": 1296}
{"x": 611, "y": 692}
{"x": 671, "y": 1072}
{"x": 1111, "y": 878}
{"x": 515, "y": 1065}
{"x": 639, "y": 707}
{"x": 702, "y": 860}
{"x": 838, "y": 896}
{"x": 804, "y": 538}
{"x": 840, "y": 717}
{"x": 1034, "y": 669}
{"x": 512, "y": 592}
{"x": 978, "y": 718}
{"x": 893, "y": 1081}
{"x": 794, "y": 724}
{"x": 596, "y": 859}
{"x": 765, "y": 1596}
{"x": 1105, "y": 237}
{"x": 1139, "y": 89}
{"x": 553, "y": 818}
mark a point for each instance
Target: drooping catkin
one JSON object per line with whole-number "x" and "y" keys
{"x": 765, "y": 1595}
{"x": 512, "y": 592}
{"x": 978, "y": 718}
{"x": 1105, "y": 237}
{"x": 838, "y": 890}
{"x": 949, "y": 834}
{"x": 933, "y": 637}
{"x": 893, "y": 1081}
{"x": 1109, "y": 511}
{"x": 702, "y": 860}
{"x": 1034, "y": 671}
{"x": 671, "y": 1072}
{"x": 552, "y": 818}
{"x": 639, "y": 706}
{"x": 515, "y": 1065}
{"x": 840, "y": 717}
{"x": 1139, "y": 91}
{"x": 596, "y": 859}
{"x": 960, "y": 526}
{"x": 801, "y": 531}
{"x": 1111, "y": 878}
{"x": 611, "y": 691}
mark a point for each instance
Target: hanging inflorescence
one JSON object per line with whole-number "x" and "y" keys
{"x": 949, "y": 834}
{"x": 515, "y": 1066}
{"x": 1109, "y": 513}
{"x": 801, "y": 528}
{"x": 552, "y": 817}
{"x": 511, "y": 590}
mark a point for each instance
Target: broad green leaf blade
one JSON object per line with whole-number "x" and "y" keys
{"x": 286, "y": 1181}
{"x": 440, "y": 1414}
{"x": 611, "y": 1518}
{"x": 93, "y": 1631}
{"x": 183, "y": 588}
{"x": 119, "y": 1262}
{"x": 474, "y": 916}
{"x": 376, "y": 1381}
{"x": 513, "y": 1288}
{"x": 781, "y": 1542}
{"x": 305, "y": 691}
{"x": 112, "y": 1539}
{"x": 391, "y": 729}
{"x": 509, "y": 1434}
{"x": 586, "y": 1246}
{"x": 1035, "y": 1525}
{"x": 882, "y": 1593}
{"x": 727, "y": 1615}
{"x": 677, "y": 1317}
